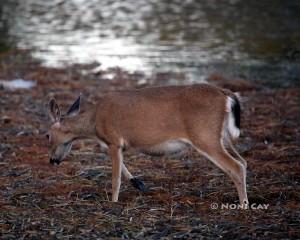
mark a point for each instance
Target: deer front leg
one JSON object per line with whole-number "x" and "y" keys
{"x": 117, "y": 159}
{"x": 137, "y": 183}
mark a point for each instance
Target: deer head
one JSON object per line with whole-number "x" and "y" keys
{"x": 61, "y": 133}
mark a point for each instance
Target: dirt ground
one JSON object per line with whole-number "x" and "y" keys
{"x": 71, "y": 201}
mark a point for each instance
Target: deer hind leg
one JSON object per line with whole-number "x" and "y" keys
{"x": 242, "y": 160}
{"x": 227, "y": 141}
{"x": 234, "y": 169}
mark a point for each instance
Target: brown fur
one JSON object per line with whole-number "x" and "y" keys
{"x": 151, "y": 117}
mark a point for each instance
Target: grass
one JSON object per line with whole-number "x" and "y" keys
{"x": 40, "y": 201}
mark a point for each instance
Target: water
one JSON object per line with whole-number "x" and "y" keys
{"x": 257, "y": 40}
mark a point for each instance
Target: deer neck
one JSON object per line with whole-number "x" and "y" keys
{"x": 84, "y": 125}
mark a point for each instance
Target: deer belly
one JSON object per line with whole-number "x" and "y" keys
{"x": 167, "y": 148}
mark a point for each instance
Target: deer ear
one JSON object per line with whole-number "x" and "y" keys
{"x": 74, "y": 109}
{"x": 54, "y": 111}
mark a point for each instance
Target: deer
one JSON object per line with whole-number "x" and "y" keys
{"x": 155, "y": 120}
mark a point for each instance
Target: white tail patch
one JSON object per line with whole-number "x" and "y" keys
{"x": 238, "y": 95}
{"x": 233, "y": 131}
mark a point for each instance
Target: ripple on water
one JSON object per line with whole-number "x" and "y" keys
{"x": 237, "y": 38}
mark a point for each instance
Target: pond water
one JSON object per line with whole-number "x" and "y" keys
{"x": 257, "y": 40}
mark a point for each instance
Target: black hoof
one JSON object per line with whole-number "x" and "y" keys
{"x": 138, "y": 184}
{"x": 54, "y": 161}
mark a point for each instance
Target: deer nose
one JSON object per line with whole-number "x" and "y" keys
{"x": 54, "y": 161}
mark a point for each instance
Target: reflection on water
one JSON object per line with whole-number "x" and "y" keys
{"x": 251, "y": 38}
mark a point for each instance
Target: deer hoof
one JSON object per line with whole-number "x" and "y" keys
{"x": 138, "y": 184}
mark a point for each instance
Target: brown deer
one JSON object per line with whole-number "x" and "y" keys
{"x": 156, "y": 120}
